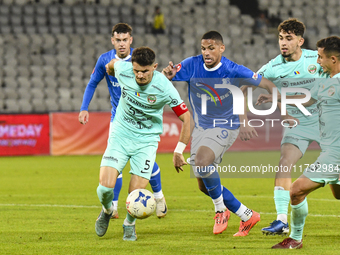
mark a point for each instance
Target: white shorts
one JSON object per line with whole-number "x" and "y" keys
{"x": 219, "y": 140}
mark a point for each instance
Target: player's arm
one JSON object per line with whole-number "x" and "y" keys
{"x": 170, "y": 71}
{"x": 184, "y": 137}
{"x": 246, "y": 132}
{"x": 110, "y": 67}
{"x": 96, "y": 76}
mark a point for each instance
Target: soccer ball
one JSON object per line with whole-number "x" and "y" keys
{"x": 141, "y": 203}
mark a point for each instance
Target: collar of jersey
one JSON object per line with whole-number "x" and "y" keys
{"x": 212, "y": 69}
{"x": 126, "y": 58}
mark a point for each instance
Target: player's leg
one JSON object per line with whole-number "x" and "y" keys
{"x": 290, "y": 154}
{"x": 116, "y": 191}
{"x": 156, "y": 186}
{"x": 293, "y": 146}
{"x": 299, "y": 191}
{"x": 112, "y": 164}
{"x": 209, "y": 182}
{"x": 107, "y": 180}
{"x": 335, "y": 188}
{"x": 142, "y": 163}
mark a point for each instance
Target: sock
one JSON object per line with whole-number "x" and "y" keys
{"x": 213, "y": 185}
{"x": 230, "y": 201}
{"x": 281, "y": 198}
{"x": 105, "y": 196}
{"x": 155, "y": 180}
{"x": 129, "y": 220}
{"x": 244, "y": 212}
{"x": 116, "y": 191}
{"x": 298, "y": 214}
{"x": 158, "y": 194}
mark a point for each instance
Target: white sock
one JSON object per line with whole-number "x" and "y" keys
{"x": 244, "y": 212}
{"x": 108, "y": 211}
{"x": 282, "y": 217}
{"x": 158, "y": 194}
{"x": 127, "y": 223}
{"x": 219, "y": 204}
{"x": 115, "y": 205}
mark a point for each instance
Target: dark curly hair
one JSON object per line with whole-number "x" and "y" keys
{"x": 292, "y": 26}
{"x": 330, "y": 45}
{"x": 143, "y": 56}
{"x": 121, "y": 28}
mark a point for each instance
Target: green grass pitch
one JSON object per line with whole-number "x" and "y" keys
{"x": 48, "y": 205}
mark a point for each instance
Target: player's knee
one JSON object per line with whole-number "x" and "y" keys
{"x": 296, "y": 194}
{"x": 285, "y": 162}
{"x": 201, "y": 162}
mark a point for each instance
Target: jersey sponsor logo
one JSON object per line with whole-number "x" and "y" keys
{"x": 114, "y": 84}
{"x": 178, "y": 67}
{"x": 331, "y": 91}
{"x": 152, "y": 99}
{"x": 312, "y": 69}
{"x": 255, "y": 76}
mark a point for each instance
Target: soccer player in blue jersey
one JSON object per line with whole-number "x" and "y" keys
{"x": 121, "y": 40}
{"x": 136, "y": 129}
{"x": 293, "y": 68}
{"x": 325, "y": 170}
{"x": 207, "y": 74}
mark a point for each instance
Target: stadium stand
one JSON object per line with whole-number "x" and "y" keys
{"x": 48, "y": 48}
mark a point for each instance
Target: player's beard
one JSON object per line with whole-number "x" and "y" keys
{"x": 286, "y": 55}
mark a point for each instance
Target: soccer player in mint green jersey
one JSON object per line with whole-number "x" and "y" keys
{"x": 135, "y": 130}
{"x": 121, "y": 39}
{"x": 325, "y": 170}
{"x": 293, "y": 68}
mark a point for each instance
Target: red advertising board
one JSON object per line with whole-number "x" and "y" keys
{"x": 24, "y": 134}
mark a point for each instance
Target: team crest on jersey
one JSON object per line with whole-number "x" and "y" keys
{"x": 312, "y": 69}
{"x": 285, "y": 84}
{"x": 331, "y": 91}
{"x": 255, "y": 76}
{"x": 152, "y": 99}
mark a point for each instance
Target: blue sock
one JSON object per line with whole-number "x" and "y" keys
{"x": 230, "y": 201}
{"x": 155, "y": 180}
{"x": 116, "y": 189}
{"x": 213, "y": 185}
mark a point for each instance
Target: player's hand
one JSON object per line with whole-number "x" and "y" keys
{"x": 178, "y": 161}
{"x": 110, "y": 67}
{"x": 289, "y": 121}
{"x": 264, "y": 98}
{"x": 83, "y": 117}
{"x": 247, "y": 132}
{"x": 170, "y": 71}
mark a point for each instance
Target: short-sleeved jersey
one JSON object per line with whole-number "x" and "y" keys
{"x": 302, "y": 73}
{"x": 328, "y": 96}
{"x": 140, "y": 110}
{"x": 202, "y": 81}
{"x": 99, "y": 72}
